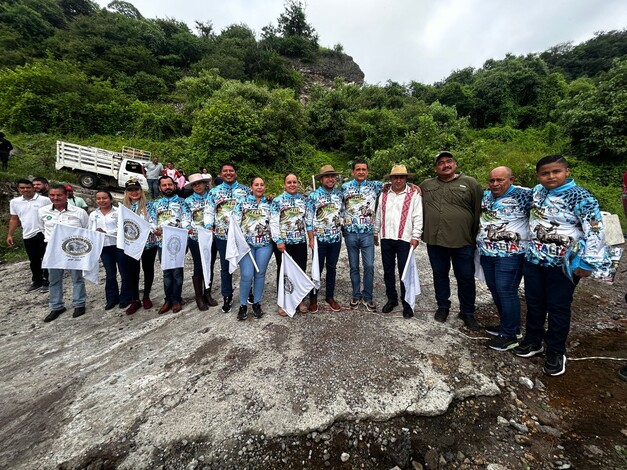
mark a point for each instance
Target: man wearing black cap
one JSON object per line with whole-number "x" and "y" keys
{"x": 452, "y": 206}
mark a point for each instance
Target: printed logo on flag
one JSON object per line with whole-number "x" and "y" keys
{"x": 131, "y": 230}
{"x": 77, "y": 246}
{"x": 288, "y": 284}
{"x": 174, "y": 245}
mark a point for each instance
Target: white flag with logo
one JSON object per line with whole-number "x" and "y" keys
{"x": 73, "y": 248}
{"x": 294, "y": 285}
{"x": 133, "y": 232}
{"x": 173, "y": 246}
{"x": 315, "y": 266}
{"x": 205, "y": 240}
{"x": 410, "y": 279}
{"x": 237, "y": 247}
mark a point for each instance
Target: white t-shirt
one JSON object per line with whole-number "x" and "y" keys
{"x": 27, "y": 211}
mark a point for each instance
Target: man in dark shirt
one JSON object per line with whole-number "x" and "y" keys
{"x": 5, "y": 150}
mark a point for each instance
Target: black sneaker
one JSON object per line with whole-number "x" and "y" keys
{"x": 45, "y": 287}
{"x": 354, "y": 303}
{"x": 257, "y": 312}
{"x": 496, "y": 331}
{"x": 226, "y": 307}
{"x": 470, "y": 322}
{"x": 441, "y": 314}
{"x": 408, "y": 312}
{"x": 555, "y": 364}
{"x": 502, "y": 343}
{"x": 527, "y": 349}
{"x": 54, "y": 314}
{"x": 78, "y": 311}
{"x": 34, "y": 286}
{"x": 243, "y": 312}
{"x": 251, "y": 298}
{"x": 389, "y": 306}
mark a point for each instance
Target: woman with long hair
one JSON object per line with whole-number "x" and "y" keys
{"x": 105, "y": 219}
{"x": 135, "y": 200}
{"x": 287, "y": 224}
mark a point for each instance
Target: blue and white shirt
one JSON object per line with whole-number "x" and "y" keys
{"x": 151, "y": 242}
{"x": 325, "y": 214}
{"x": 359, "y": 205}
{"x": 254, "y": 218}
{"x": 504, "y": 223}
{"x": 220, "y": 203}
{"x": 287, "y": 219}
{"x": 196, "y": 205}
{"x": 560, "y": 217}
{"x": 168, "y": 211}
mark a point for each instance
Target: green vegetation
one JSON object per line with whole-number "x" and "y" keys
{"x": 110, "y": 77}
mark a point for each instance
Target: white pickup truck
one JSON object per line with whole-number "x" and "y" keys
{"x": 96, "y": 166}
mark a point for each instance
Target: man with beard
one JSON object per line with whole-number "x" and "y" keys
{"x": 219, "y": 206}
{"x": 170, "y": 210}
{"x": 451, "y": 207}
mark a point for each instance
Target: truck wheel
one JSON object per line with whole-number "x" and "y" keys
{"x": 87, "y": 180}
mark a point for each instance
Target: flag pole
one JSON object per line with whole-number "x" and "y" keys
{"x": 313, "y": 181}
{"x": 253, "y": 260}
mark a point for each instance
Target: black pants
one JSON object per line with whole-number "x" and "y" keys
{"x": 35, "y": 248}
{"x": 147, "y": 265}
{"x": 298, "y": 251}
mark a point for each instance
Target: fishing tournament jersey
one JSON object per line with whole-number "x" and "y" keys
{"x": 504, "y": 223}
{"x": 196, "y": 205}
{"x": 220, "y": 204}
{"x": 287, "y": 219}
{"x": 359, "y": 205}
{"x": 152, "y": 238}
{"x": 168, "y": 211}
{"x": 560, "y": 217}
{"x": 254, "y": 218}
{"x": 324, "y": 215}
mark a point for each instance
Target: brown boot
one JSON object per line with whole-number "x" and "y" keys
{"x": 210, "y": 300}
{"x": 198, "y": 291}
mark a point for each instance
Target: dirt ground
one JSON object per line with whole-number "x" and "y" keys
{"x": 578, "y": 420}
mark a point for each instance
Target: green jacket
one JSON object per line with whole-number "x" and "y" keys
{"x": 451, "y": 211}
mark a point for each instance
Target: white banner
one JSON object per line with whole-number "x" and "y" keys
{"x": 205, "y": 240}
{"x": 74, "y": 248}
{"x": 237, "y": 247}
{"x": 411, "y": 280}
{"x": 294, "y": 285}
{"x": 133, "y": 232}
{"x": 173, "y": 245}
{"x": 315, "y": 265}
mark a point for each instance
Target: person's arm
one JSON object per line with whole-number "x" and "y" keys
{"x": 14, "y": 223}
{"x": 416, "y": 220}
{"x": 377, "y": 222}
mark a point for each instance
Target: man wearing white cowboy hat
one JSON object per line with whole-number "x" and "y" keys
{"x": 194, "y": 219}
{"x": 398, "y": 224}
{"x": 323, "y": 220}
{"x": 452, "y": 206}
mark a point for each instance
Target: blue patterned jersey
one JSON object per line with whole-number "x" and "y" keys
{"x": 168, "y": 211}
{"x": 196, "y": 205}
{"x": 504, "y": 223}
{"x": 220, "y": 204}
{"x": 559, "y": 218}
{"x": 254, "y": 218}
{"x": 324, "y": 215}
{"x": 287, "y": 220}
{"x": 151, "y": 241}
{"x": 359, "y": 205}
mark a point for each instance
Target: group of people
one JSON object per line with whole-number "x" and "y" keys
{"x": 153, "y": 170}
{"x": 517, "y": 232}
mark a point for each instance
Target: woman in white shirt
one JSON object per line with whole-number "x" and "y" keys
{"x": 105, "y": 220}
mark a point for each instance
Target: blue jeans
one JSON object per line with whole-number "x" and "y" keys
{"x": 172, "y": 284}
{"x": 226, "y": 279}
{"x": 463, "y": 260}
{"x": 361, "y": 243}
{"x": 329, "y": 253}
{"x": 113, "y": 260}
{"x": 153, "y": 185}
{"x": 548, "y": 292}
{"x": 394, "y": 254}
{"x": 79, "y": 295}
{"x": 262, "y": 257}
{"x": 503, "y": 275}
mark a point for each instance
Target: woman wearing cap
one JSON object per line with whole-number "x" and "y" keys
{"x": 196, "y": 203}
{"x": 253, "y": 216}
{"x": 135, "y": 200}
{"x": 287, "y": 224}
{"x": 105, "y": 219}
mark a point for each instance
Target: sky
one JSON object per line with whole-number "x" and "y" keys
{"x": 419, "y": 40}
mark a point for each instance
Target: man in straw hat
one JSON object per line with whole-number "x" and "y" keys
{"x": 323, "y": 220}
{"x": 398, "y": 226}
{"x": 452, "y": 206}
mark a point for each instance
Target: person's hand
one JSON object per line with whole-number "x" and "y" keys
{"x": 158, "y": 231}
{"x": 281, "y": 247}
{"x": 582, "y": 272}
{"x": 311, "y": 243}
{"x": 414, "y": 243}
{"x": 99, "y": 229}
{"x": 415, "y": 188}
{"x": 376, "y": 240}
{"x": 10, "y": 240}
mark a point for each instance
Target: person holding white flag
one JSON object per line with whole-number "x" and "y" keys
{"x": 169, "y": 211}
{"x": 287, "y": 224}
{"x": 293, "y": 286}
{"x": 60, "y": 212}
{"x": 252, "y": 215}
{"x": 398, "y": 226}
{"x": 135, "y": 201}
